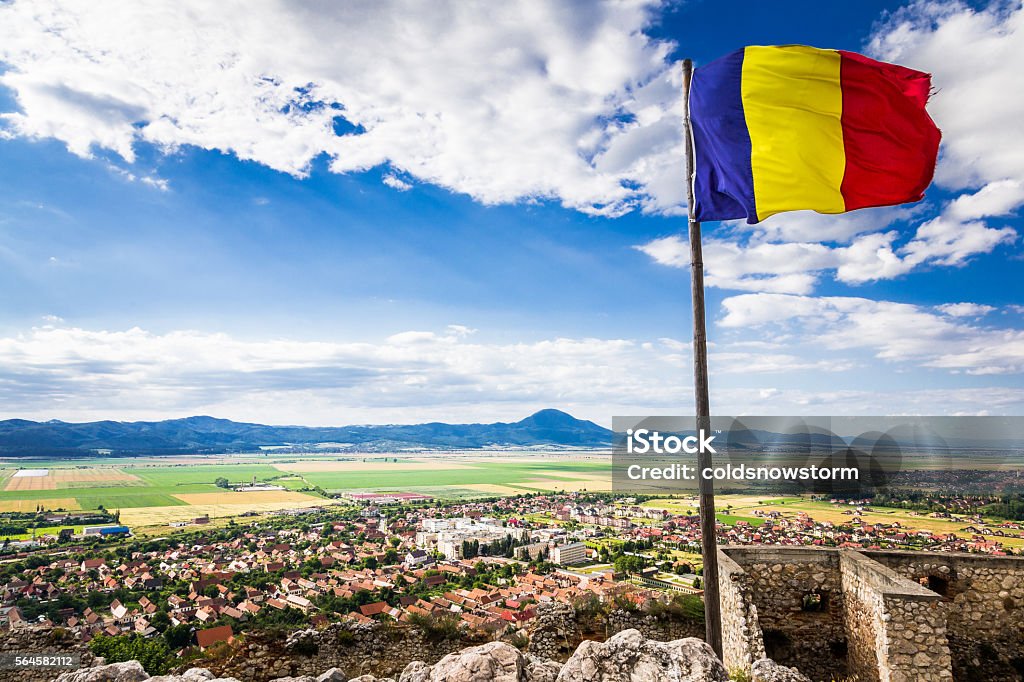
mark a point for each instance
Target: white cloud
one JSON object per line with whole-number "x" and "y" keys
{"x": 896, "y": 332}
{"x": 77, "y": 373}
{"x": 783, "y": 401}
{"x": 749, "y": 263}
{"x": 964, "y": 309}
{"x": 524, "y": 100}
{"x": 772, "y": 363}
{"x": 977, "y": 61}
{"x": 395, "y": 182}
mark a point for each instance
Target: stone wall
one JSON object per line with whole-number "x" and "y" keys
{"x": 985, "y": 622}
{"x": 39, "y": 640}
{"x": 356, "y": 649}
{"x": 559, "y": 629}
{"x": 652, "y": 627}
{"x": 883, "y": 616}
{"x": 384, "y": 650}
{"x": 798, "y": 606}
{"x": 742, "y": 643}
{"x": 556, "y": 632}
{"x": 895, "y": 628}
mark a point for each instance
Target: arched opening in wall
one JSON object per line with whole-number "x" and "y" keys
{"x": 937, "y": 584}
{"x": 777, "y": 645}
{"x": 816, "y": 601}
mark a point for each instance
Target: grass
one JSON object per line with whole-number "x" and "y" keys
{"x": 155, "y": 487}
{"x": 513, "y": 474}
{"x": 172, "y": 486}
{"x": 49, "y": 530}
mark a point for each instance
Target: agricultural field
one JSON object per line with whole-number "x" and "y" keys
{"x": 494, "y": 476}
{"x": 59, "y": 479}
{"x": 740, "y": 507}
{"x": 151, "y": 492}
{"x": 128, "y": 487}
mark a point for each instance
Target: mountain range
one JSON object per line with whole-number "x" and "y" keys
{"x": 205, "y": 435}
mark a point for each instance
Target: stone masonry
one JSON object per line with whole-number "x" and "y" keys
{"x": 880, "y": 616}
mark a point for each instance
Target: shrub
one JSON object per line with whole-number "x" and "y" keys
{"x": 154, "y": 655}
{"x": 437, "y": 628}
{"x": 519, "y": 640}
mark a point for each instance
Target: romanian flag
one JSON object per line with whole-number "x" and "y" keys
{"x": 791, "y": 127}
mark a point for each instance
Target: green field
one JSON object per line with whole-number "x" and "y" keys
{"x": 157, "y": 486}
{"x": 495, "y": 473}
{"x": 149, "y": 486}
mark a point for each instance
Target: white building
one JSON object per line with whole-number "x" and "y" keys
{"x": 572, "y": 553}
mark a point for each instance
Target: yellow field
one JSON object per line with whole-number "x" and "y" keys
{"x": 31, "y": 505}
{"x": 245, "y": 499}
{"x": 595, "y": 484}
{"x": 744, "y": 505}
{"x": 69, "y": 478}
{"x": 161, "y": 516}
{"x": 496, "y": 489}
{"x": 321, "y": 465}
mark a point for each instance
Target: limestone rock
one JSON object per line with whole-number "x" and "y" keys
{"x": 767, "y": 670}
{"x": 629, "y": 657}
{"x": 491, "y": 662}
{"x": 128, "y": 671}
{"x": 197, "y": 675}
{"x": 305, "y": 642}
{"x": 371, "y": 678}
{"x": 417, "y": 671}
{"x": 302, "y": 678}
{"x": 541, "y": 669}
{"x": 332, "y": 675}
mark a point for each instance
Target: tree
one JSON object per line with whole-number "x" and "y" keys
{"x": 222, "y": 482}
{"x": 160, "y": 620}
{"x": 178, "y": 636}
{"x": 154, "y": 654}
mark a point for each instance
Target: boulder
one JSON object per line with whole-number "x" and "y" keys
{"x": 491, "y": 662}
{"x": 630, "y": 657}
{"x": 767, "y": 670}
{"x": 192, "y": 675}
{"x": 301, "y": 678}
{"x": 371, "y": 678}
{"x": 541, "y": 669}
{"x": 128, "y": 671}
{"x": 417, "y": 671}
{"x": 197, "y": 675}
{"x": 332, "y": 675}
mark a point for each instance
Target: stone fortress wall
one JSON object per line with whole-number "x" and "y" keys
{"x": 835, "y": 614}
{"x": 881, "y": 616}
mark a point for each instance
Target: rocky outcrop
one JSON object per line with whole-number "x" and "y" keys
{"x": 491, "y": 662}
{"x": 629, "y": 657}
{"x": 190, "y": 675}
{"x": 129, "y": 671}
{"x": 626, "y": 657}
{"x": 767, "y": 670}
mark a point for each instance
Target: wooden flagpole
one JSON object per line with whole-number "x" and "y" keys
{"x": 709, "y": 540}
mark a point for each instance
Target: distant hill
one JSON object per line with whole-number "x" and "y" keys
{"x": 196, "y": 435}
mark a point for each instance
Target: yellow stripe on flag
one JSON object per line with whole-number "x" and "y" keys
{"x": 793, "y": 104}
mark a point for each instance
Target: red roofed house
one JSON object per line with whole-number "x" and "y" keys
{"x": 211, "y": 636}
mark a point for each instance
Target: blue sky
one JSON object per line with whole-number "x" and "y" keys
{"x": 464, "y": 215}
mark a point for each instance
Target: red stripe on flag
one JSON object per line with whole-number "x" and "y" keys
{"x": 890, "y": 140}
